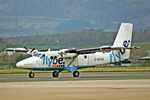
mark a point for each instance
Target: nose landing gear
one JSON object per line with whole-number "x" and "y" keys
{"x": 31, "y": 75}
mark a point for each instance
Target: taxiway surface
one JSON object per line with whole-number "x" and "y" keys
{"x": 89, "y": 86}
{"x": 68, "y": 76}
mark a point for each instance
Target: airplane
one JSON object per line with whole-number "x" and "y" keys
{"x": 73, "y": 59}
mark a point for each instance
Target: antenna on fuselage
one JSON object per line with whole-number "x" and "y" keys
{"x": 49, "y": 49}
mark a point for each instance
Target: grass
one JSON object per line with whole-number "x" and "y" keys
{"x": 3, "y": 66}
{"x": 104, "y": 69}
{"x": 142, "y": 44}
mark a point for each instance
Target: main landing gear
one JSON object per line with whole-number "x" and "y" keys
{"x": 31, "y": 75}
{"x": 75, "y": 74}
{"x": 55, "y": 74}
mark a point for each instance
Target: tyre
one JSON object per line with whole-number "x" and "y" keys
{"x": 75, "y": 74}
{"x": 31, "y": 75}
{"x": 55, "y": 74}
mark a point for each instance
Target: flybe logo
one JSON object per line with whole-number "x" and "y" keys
{"x": 114, "y": 57}
{"x": 117, "y": 56}
{"x": 53, "y": 62}
{"x": 126, "y": 43}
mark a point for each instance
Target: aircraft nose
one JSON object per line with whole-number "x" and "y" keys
{"x": 20, "y": 64}
{"x": 27, "y": 63}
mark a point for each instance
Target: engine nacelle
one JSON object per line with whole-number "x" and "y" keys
{"x": 66, "y": 55}
{"x": 69, "y": 55}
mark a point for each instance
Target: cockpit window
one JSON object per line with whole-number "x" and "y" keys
{"x": 38, "y": 54}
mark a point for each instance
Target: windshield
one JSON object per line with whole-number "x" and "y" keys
{"x": 37, "y": 54}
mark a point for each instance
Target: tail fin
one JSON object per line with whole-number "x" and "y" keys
{"x": 124, "y": 36}
{"x": 124, "y": 39}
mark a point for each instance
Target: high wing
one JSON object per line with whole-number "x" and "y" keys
{"x": 25, "y": 50}
{"x": 98, "y": 49}
{"x": 16, "y": 49}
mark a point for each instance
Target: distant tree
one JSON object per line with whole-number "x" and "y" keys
{"x": 2, "y": 42}
{"x": 20, "y": 57}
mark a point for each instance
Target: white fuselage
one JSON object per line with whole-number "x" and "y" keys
{"x": 53, "y": 59}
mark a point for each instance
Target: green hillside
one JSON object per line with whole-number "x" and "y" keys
{"x": 80, "y": 39}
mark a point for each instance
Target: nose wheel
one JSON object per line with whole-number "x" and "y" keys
{"x": 55, "y": 74}
{"x": 31, "y": 75}
{"x": 76, "y": 74}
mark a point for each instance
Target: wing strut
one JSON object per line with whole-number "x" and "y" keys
{"x": 72, "y": 60}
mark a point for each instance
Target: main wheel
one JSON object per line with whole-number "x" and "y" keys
{"x": 76, "y": 74}
{"x": 31, "y": 75}
{"x": 55, "y": 73}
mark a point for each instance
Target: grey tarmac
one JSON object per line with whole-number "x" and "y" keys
{"x": 68, "y": 76}
{"x": 89, "y": 86}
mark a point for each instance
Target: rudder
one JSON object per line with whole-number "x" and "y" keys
{"x": 124, "y": 39}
